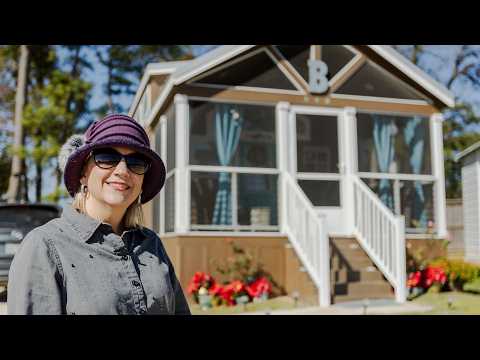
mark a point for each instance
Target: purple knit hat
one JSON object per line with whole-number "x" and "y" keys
{"x": 113, "y": 130}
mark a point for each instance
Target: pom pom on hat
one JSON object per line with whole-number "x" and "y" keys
{"x": 72, "y": 144}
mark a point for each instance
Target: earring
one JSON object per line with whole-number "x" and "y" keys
{"x": 139, "y": 201}
{"x": 84, "y": 189}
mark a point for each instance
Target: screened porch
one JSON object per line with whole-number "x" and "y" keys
{"x": 224, "y": 160}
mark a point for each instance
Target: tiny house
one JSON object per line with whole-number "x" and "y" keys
{"x": 321, "y": 160}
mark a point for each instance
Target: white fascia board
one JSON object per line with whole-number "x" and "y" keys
{"x": 207, "y": 63}
{"x": 158, "y": 103}
{"x": 467, "y": 151}
{"x": 416, "y": 74}
{"x": 151, "y": 70}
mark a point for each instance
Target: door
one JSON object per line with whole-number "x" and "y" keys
{"x": 316, "y": 159}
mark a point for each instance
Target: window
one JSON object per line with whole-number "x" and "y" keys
{"x": 417, "y": 205}
{"x": 372, "y": 80}
{"x": 393, "y": 144}
{"x": 232, "y": 135}
{"x": 258, "y": 70}
{"x": 394, "y": 161}
{"x": 257, "y": 199}
{"x": 206, "y": 199}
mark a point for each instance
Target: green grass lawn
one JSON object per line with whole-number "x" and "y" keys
{"x": 462, "y": 303}
{"x": 281, "y": 302}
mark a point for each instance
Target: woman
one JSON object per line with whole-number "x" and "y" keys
{"x": 97, "y": 258}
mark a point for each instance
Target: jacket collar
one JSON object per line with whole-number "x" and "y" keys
{"x": 86, "y": 226}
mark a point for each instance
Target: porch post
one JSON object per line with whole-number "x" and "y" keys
{"x": 181, "y": 159}
{"x": 283, "y": 163}
{"x": 438, "y": 169}
{"x": 163, "y": 155}
{"x": 349, "y": 149}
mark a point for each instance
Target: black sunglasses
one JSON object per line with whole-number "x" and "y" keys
{"x": 109, "y": 158}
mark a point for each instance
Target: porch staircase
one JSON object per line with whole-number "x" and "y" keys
{"x": 353, "y": 275}
{"x": 370, "y": 265}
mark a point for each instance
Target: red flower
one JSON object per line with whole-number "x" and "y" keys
{"x": 226, "y": 293}
{"x": 414, "y": 279}
{"x": 198, "y": 281}
{"x": 259, "y": 287}
{"x": 215, "y": 289}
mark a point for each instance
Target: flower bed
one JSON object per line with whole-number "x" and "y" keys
{"x": 441, "y": 275}
{"x": 207, "y": 292}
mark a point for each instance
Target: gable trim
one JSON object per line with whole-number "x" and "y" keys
{"x": 249, "y": 88}
{"x": 379, "y": 99}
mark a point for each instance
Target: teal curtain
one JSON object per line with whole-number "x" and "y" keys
{"x": 415, "y": 138}
{"x": 383, "y": 137}
{"x": 228, "y": 127}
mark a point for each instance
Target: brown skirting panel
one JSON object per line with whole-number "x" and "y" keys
{"x": 201, "y": 253}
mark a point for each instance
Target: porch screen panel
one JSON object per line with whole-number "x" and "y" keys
{"x": 321, "y": 192}
{"x": 224, "y": 134}
{"x": 317, "y": 143}
{"x": 417, "y": 205}
{"x": 257, "y": 199}
{"x": 169, "y": 194}
{"x": 209, "y": 205}
{"x": 393, "y": 144}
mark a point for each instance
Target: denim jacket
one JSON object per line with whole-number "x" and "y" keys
{"x": 78, "y": 265}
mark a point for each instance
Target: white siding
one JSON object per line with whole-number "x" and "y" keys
{"x": 471, "y": 211}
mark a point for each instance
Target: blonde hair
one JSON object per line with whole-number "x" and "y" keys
{"x": 133, "y": 217}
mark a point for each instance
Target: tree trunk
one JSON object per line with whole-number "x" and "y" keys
{"x": 18, "y": 172}
{"x": 38, "y": 183}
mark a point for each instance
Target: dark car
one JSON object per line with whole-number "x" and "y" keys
{"x": 16, "y": 220}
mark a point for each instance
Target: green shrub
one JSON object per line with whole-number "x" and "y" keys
{"x": 458, "y": 272}
{"x": 472, "y": 286}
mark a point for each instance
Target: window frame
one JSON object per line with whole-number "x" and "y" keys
{"x": 235, "y": 228}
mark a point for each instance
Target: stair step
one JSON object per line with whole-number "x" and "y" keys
{"x": 363, "y": 289}
{"x": 341, "y": 276}
{"x": 356, "y": 264}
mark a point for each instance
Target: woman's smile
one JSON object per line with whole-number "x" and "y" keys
{"x": 117, "y": 185}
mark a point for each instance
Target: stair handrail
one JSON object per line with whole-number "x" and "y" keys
{"x": 306, "y": 231}
{"x": 381, "y": 234}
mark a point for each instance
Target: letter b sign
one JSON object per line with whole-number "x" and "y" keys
{"x": 317, "y": 76}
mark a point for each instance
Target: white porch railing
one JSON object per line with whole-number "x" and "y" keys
{"x": 306, "y": 231}
{"x": 382, "y": 235}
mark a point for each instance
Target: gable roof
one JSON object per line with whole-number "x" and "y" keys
{"x": 182, "y": 71}
{"x": 467, "y": 151}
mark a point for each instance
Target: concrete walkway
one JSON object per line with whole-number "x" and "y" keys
{"x": 373, "y": 307}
